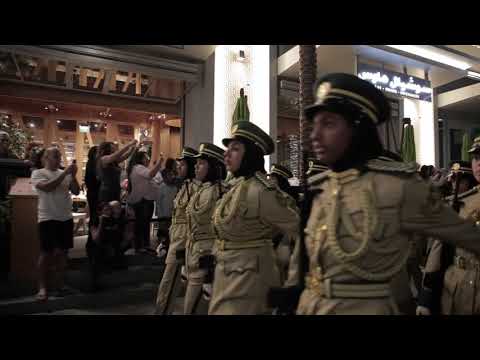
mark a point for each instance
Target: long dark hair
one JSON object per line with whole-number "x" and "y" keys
{"x": 285, "y": 186}
{"x": 190, "y": 168}
{"x": 283, "y": 183}
{"x": 170, "y": 164}
{"x": 105, "y": 148}
{"x": 426, "y": 171}
{"x": 252, "y": 160}
{"x": 136, "y": 158}
{"x": 365, "y": 144}
{"x": 216, "y": 170}
{"x": 461, "y": 176}
{"x": 37, "y": 158}
{"x": 90, "y": 169}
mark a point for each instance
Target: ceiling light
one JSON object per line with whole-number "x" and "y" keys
{"x": 84, "y": 128}
{"x": 433, "y": 54}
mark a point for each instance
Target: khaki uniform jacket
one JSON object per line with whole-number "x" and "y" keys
{"x": 246, "y": 219}
{"x": 200, "y": 228}
{"x": 179, "y": 230}
{"x": 461, "y": 291}
{"x": 358, "y": 231}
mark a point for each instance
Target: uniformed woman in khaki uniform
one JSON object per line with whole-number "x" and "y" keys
{"x": 282, "y": 244}
{"x": 209, "y": 171}
{"x": 246, "y": 220}
{"x": 460, "y": 294}
{"x": 365, "y": 209}
{"x": 168, "y": 289}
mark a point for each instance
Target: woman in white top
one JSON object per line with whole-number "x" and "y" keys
{"x": 142, "y": 192}
{"x": 55, "y": 223}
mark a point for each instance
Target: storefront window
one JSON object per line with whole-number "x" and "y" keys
{"x": 456, "y": 136}
{"x": 441, "y": 143}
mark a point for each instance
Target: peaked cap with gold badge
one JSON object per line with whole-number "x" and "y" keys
{"x": 210, "y": 150}
{"x": 339, "y": 92}
{"x": 188, "y": 152}
{"x": 249, "y": 131}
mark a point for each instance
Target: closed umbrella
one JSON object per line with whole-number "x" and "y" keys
{"x": 466, "y": 145}
{"x": 241, "y": 113}
{"x": 408, "y": 144}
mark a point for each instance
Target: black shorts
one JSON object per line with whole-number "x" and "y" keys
{"x": 55, "y": 235}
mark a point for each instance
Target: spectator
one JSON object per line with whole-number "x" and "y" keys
{"x": 141, "y": 193}
{"x": 92, "y": 183}
{"x": 37, "y": 159}
{"x": 111, "y": 237}
{"x": 158, "y": 176}
{"x": 171, "y": 165}
{"x": 5, "y": 182}
{"x": 5, "y": 152}
{"x": 93, "y": 186}
{"x": 164, "y": 206}
{"x": 108, "y": 170}
{"x": 55, "y": 222}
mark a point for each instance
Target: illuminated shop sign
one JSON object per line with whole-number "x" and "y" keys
{"x": 396, "y": 83}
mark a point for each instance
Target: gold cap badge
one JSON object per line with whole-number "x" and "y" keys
{"x": 322, "y": 92}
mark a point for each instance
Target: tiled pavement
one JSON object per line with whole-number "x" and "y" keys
{"x": 126, "y": 292}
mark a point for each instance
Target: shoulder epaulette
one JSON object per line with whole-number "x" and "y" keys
{"x": 392, "y": 166}
{"x": 317, "y": 179}
{"x": 465, "y": 194}
{"x": 264, "y": 181}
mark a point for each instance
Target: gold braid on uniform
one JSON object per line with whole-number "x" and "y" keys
{"x": 370, "y": 220}
{"x": 191, "y": 209}
{"x": 234, "y": 197}
{"x": 194, "y": 208}
{"x": 178, "y": 201}
{"x": 370, "y": 224}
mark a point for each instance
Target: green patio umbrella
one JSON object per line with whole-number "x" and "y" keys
{"x": 241, "y": 109}
{"x": 466, "y": 145}
{"x": 408, "y": 144}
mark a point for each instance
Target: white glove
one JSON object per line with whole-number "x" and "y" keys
{"x": 184, "y": 274}
{"x": 422, "y": 310}
{"x": 207, "y": 291}
{"x": 161, "y": 251}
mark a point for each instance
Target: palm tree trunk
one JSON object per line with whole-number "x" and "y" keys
{"x": 307, "y": 75}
